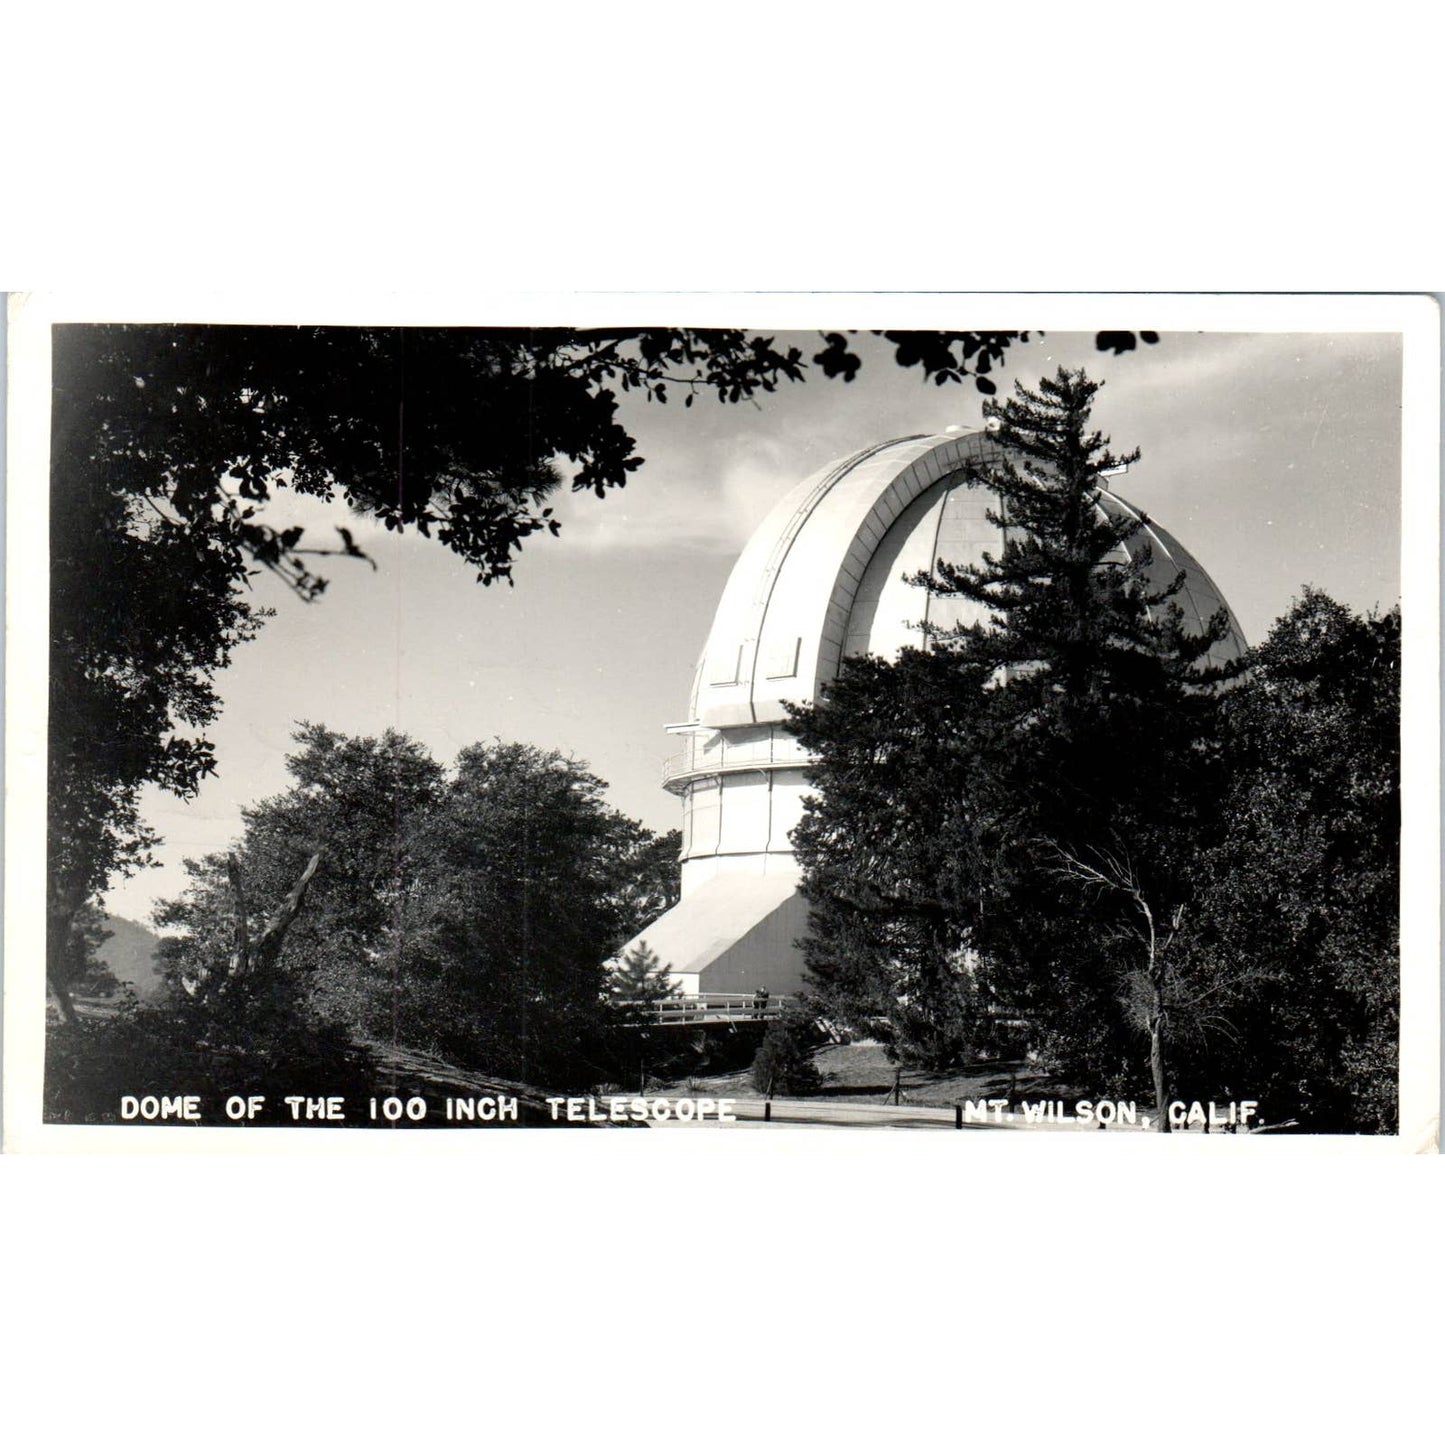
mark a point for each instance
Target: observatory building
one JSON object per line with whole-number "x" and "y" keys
{"x": 823, "y": 578}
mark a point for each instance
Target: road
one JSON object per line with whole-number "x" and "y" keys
{"x": 749, "y": 1114}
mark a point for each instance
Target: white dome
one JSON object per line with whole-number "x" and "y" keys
{"x": 950, "y": 523}
{"x": 824, "y": 578}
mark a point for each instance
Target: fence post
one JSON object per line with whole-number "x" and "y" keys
{"x": 767, "y": 1111}
{"x": 958, "y": 1116}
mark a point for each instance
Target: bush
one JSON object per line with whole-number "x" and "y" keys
{"x": 784, "y": 1062}
{"x": 239, "y": 1045}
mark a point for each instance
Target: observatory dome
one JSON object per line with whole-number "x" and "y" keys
{"x": 823, "y": 578}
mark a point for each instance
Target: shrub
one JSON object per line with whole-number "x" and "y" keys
{"x": 784, "y": 1062}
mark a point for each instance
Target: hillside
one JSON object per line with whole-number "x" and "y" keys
{"x": 129, "y": 953}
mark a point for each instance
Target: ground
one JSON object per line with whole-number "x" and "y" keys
{"x": 861, "y": 1073}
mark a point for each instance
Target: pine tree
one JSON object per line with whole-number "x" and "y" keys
{"x": 1107, "y": 704}
{"x": 636, "y": 984}
{"x": 1068, "y": 773}
{"x": 640, "y": 980}
{"x": 886, "y": 843}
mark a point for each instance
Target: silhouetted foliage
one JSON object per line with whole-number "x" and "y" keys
{"x": 259, "y": 1038}
{"x": 943, "y": 356}
{"x": 1121, "y": 341}
{"x": 1303, "y": 886}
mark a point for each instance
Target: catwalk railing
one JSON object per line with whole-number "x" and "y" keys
{"x": 714, "y": 1008}
{"x": 756, "y": 755}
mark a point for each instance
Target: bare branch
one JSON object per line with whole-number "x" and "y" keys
{"x": 268, "y": 946}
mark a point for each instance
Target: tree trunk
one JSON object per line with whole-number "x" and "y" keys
{"x": 268, "y": 946}
{"x": 241, "y": 946}
{"x": 62, "y": 998}
{"x": 264, "y": 951}
{"x": 1158, "y": 1015}
{"x": 1156, "y": 1064}
{"x": 60, "y": 920}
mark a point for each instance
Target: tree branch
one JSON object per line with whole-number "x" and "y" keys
{"x": 268, "y": 946}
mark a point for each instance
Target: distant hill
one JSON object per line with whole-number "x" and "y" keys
{"x": 130, "y": 954}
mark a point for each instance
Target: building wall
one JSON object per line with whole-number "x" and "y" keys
{"x": 740, "y": 821}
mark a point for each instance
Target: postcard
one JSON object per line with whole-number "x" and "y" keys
{"x": 1012, "y": 716}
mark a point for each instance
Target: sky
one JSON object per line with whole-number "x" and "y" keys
{"x": 1273, "y": 457}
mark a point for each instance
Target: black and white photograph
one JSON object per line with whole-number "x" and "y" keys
{"x": 850, "y": 724}
{"x": 721, "y": 723}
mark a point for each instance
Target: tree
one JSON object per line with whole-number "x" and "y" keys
{"x": 143, "y": 610}
{"x": 1109, "y": 704}
{"x": 1174, "y": 994}
{"x": 517, "y": 912}
{"x": 169, "y": 441}
{"x": 1074, "y": 724}
{"x": 357, "y": 804}
{"x": 784, "y": 1061}
{"x": 469, "y": 914}
{"x": 637, "y": 984}
{"x": 888, "y": 845}
{"x": 1303, "y": 886}
{"x": 85, "y": 971}
{"x": 644, "y": 880}
{"x": 640, "y": 981}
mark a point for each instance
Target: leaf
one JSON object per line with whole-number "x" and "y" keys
{"x": 835, "y": 359}
{"x": 1116, "y": 341}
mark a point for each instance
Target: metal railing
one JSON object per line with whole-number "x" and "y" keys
{"x": 718, "y": 1008}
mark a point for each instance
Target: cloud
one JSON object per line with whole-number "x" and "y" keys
{"x": 695, "y": 495}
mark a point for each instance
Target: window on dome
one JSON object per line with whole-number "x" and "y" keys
{"x": 782, "y": 658}
{"x": 726, "y": 668}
